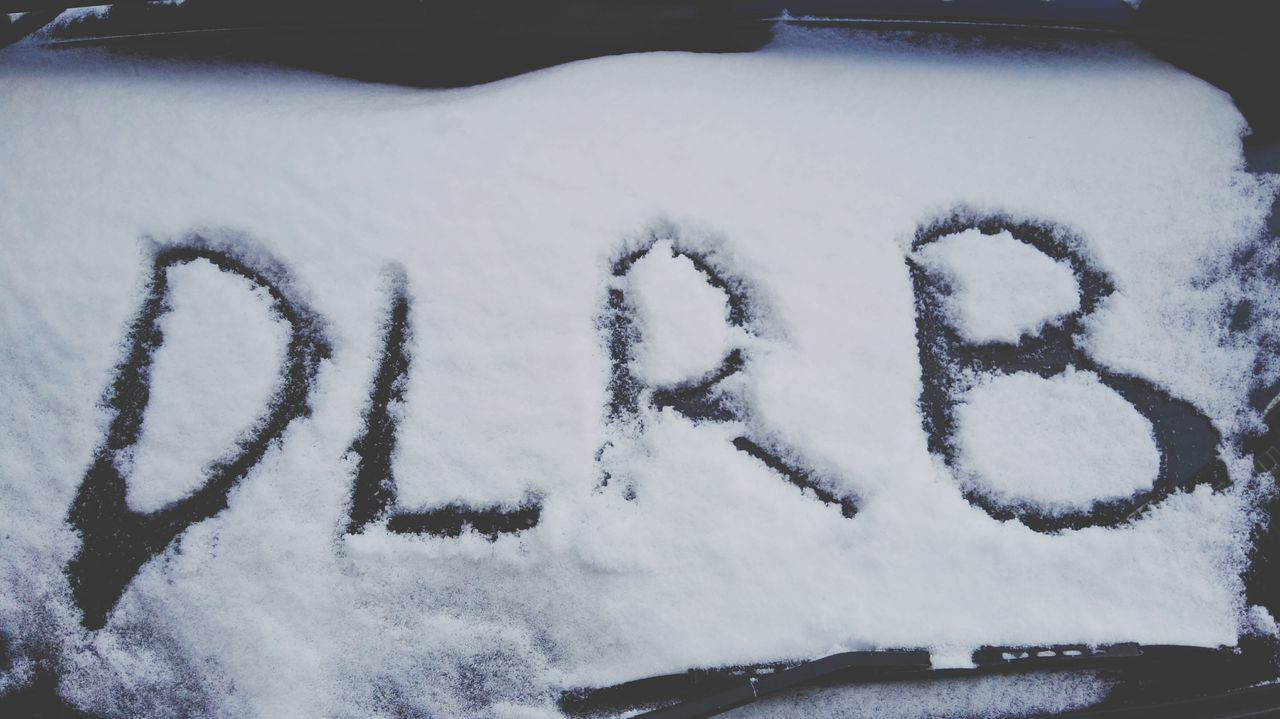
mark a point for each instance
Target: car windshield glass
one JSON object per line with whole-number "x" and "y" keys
{"x": 589, "y": 358}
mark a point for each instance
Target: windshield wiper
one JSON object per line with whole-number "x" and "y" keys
{"x": 708, "y": 692}
{"x": 702, "y": 693}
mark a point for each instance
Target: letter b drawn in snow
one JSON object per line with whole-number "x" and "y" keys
{"x": 1185, "y": 439}
{"x": 117, "y": 540}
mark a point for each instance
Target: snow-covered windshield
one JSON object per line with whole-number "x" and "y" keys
{"x": 325, "y": 398}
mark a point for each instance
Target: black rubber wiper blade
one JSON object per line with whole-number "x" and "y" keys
{"x": 1171, "y": 670}
{"x": 755, "y": 686}
{"x": 715, "y": 691}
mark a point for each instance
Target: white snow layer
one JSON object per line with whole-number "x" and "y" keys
{"x": 989, "y": 697}
{"x": 683, "y": 320}
{"x": 220, "y": 358}
{"x": 815, "y": 161}
{"x": 1001, "y": 289}
{"x": 1060, "y": 443}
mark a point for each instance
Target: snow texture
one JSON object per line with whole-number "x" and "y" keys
{"x": 805, "y": 169}
{"x": 683, "y": 320}
{"x": 963, "y": 698}
{"x": 1060, "y": 443}
{"x": 220, "y": 357}
{"x": 1002, "y": 289}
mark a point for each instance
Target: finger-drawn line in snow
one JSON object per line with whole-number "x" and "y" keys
{"x": 116, "y": 540}
{"x": 373, "y": 495}
{"x": 1186, "y": 440}
{"x": 705, "y": 399}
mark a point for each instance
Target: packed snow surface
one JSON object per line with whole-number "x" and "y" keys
{"x": 988, "y": 697}
{"x": 683, "y": 320}
{"x": 1001, "y": 288}
{"x": 804, "y": 171}
{"x": 1060, "y": 443}
{"x": 220, "y": 357}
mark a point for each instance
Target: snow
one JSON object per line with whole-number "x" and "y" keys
{"x": 815, "y": 161}
{"x": 79, "y": 13}
{"x": 994, "y": 697}
{"x": 1259, "y": 621}
{"x": 1059, "y": 444}
{"x": 1002, "y": 289}
{"x": 219, "y": 360}
{"x": 683, "y": 320}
